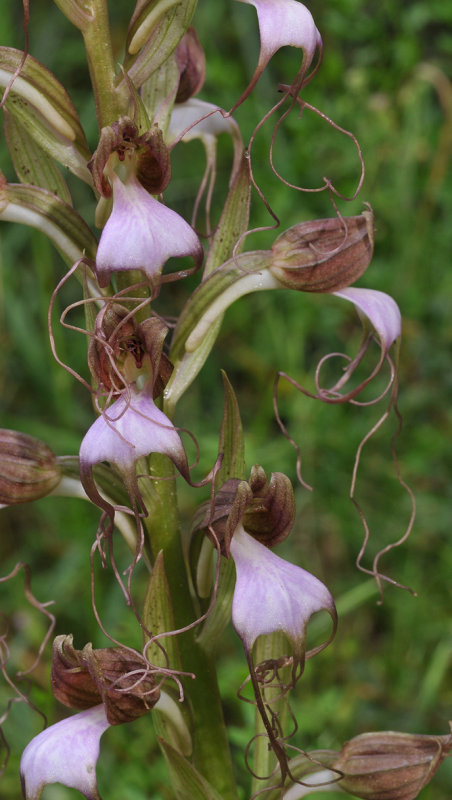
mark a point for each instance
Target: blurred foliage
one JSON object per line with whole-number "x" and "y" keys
{"x": 385, "y": 77}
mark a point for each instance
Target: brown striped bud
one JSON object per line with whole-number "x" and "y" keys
{"x": 389, "y": 765}
{"x": 324, "y": 255}
{"x": 113, "y": 676}
{"x": 28, "y": 468}
{"x": 265, "y": 508}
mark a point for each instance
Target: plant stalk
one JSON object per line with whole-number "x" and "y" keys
{"x": 211, "y": 753}
{"x": 99, "y": 53}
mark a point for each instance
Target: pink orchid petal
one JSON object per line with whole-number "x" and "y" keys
{"x": 284, "y": 22}
{"x": 131, "y": 428}
{"x": 206, "y": 122}
{"x": 66, "y": 753}
{"x": 380, "y": 309}
{"x": 271, "y": 594}
{"x": 141, "y": 233}
{"x": 206, "y": 119}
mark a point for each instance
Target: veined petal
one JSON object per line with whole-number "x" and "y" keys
{"x": 380, "y": 309}
{"x": 271, "y": 594}
{"x": 141, "y": 233}
{"x": 66, "y": 753}
{"x": 131, "y": 428}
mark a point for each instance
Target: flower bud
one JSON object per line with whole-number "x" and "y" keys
{"x": 390, "y": 765}
{"x": 28, "y": 468}
{"x": 324, "y": 255}
{"x": 191, "y": 63}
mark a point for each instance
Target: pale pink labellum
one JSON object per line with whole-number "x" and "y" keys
{"x": 66, "y": 753}
{"x": 272, "y": 594}
{"x": 131, "y": 428}
{"x": 283, "y": 22}
{"x": 206, "y": 122}
{"x": 142, "y": 234}
{"x": 380, "y": 309}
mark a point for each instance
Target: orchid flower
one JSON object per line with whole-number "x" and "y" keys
{"x": 380, "y": 309}
{"x": 273, "y": 595}
{"x": 381, "y": 313}
{"x": 282, "y": 22}
{"x": 131, "y": 428}
{"x": 142, "y": 234}
{"x": 66, "y": 753}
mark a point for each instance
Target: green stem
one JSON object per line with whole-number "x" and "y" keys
{"x": 268, "y": 648}
{"x": 211, "y": 754}
{"x": 99, "y": 53}
{"x": 211, "y": 751}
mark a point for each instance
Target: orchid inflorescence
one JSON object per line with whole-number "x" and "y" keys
{"x": 224, "y": 567}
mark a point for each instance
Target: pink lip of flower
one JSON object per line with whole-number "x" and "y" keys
{"x": 131, "y": 428}
{"x": 273, "y": 595}
{"x": 380, "y": 309}
{"x": 66, "y": 753}
{"x": 281, "y": 23}
{"x": 142, "y": 233}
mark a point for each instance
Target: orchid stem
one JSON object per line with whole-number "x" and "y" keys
{"x": 211, "y": 754}
{"x": 99, "y": 53}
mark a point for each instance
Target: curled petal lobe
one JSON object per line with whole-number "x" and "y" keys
{"x": 380, "y": 309}
{"x": 142, "y": 234}
{"x": 205, "y": 121}
{"x": 66, "y": 753}
{"x": 273, "y": 595}
{"x": 131, "y": 428}
{"x": 283, "y": 22}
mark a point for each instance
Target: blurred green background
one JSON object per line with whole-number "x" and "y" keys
{"x": 386, "y": 77}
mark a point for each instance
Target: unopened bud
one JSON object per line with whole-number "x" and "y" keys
{"x": 191, "y": 63}
{"x": 324, "y": 255}
{"x": 394, "y": 766}
{"x": 28, "y": 468}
